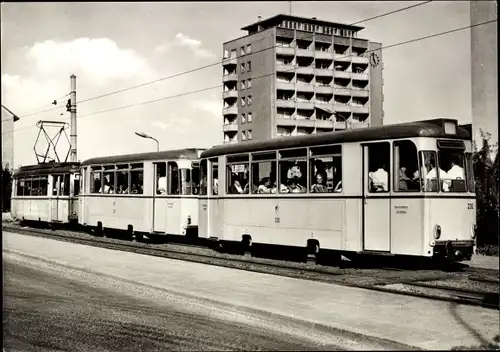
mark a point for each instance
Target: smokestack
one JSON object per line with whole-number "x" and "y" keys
{"x": 72, "y": 137}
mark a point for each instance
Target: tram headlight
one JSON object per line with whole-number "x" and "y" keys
{"x": 437, "y": 232}
{"x": 432, "y": 243}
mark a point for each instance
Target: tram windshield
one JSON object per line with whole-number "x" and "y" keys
{"x": 443, "y": 171}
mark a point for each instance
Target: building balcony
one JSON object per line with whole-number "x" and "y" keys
{"x": 342, "y": 91}
{"x": 285, "y": 121}
{"x": 325, "y": 124}
{"x": 360, "y": 76}
{"x": 281, "y": 50}
{"x": 343, "y": 74}
{"x": 230, "y": 61}
{"x": 305, "y": 70}
{"x": 230, "y": 94}
{"x": 305, "y": 87}
{"x": 281, "y": 103}
{"x": 325, "y": 55}
{"x": 357, "y": 109}
{"x": 230, "y": 141}
{"x": 358, "y": 124}
{"x": 362, "y": 93}
{"x": 231, "y": 127}
{"x": 323, "y": 89}
{"x": 360, "y": 60}
{"x": 324, "y": 72}
{"x": 342, "y": 107}
{"x": 342, "y": 57}
{"x": 305, "y": 122}
{"x": 304, "y": 53}
{"x": 340, "y": 125}
{"x": 285, "y": 85}
{"x": 285, "y": 67}
{"x": 232, "y": 110}
{"x": 305, "y": 105}
{"x": 230, "y": 78}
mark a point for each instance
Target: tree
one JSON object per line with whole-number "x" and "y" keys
{"x": 6, "y": 188}
{"x": 486, "y": 177}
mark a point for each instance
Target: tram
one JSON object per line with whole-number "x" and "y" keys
{"x": 405, "y": 189}
{"x": 46, "y": 193}
{"x": 152, "y": 194}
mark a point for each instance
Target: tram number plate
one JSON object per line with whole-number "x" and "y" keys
{"x": 470, "y": 205}
{"x": 277, "y": 220}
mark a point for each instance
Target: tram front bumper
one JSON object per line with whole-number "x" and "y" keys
{"x": 455, "y": 250}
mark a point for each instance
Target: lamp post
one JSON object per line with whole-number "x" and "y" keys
{"x": 144, "y": 135}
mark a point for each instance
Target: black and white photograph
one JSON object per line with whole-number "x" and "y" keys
{"x": 250, "y": 175}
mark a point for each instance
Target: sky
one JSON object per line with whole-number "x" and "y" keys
{"x": 113, "y": 46}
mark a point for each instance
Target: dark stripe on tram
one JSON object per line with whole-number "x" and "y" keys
{"x": 344, "y": 197}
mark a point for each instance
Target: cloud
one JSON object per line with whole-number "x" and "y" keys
{"x": 183, "y": 40}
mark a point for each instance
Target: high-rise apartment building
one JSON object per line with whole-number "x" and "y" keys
{"x": 294, "y": 76}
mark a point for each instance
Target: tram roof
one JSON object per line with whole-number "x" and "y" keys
{"x": 189, "y": 153}
{"x": 428, "y": 128}
{"x": 46, "y": 169}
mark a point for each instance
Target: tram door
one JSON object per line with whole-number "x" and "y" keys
{"x": 376, "y": 197}
{"x": 159, "y": 197}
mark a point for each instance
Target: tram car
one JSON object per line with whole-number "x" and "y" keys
{"x": 152, "y": 194}
{"x": 46, "y": 193}
{"x": 399, "y": 190}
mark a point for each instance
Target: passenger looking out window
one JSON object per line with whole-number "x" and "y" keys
{"x": 326, "y": 169}
{"x": 265, "y": 185}
{"x": 161, "y": 178}
{"x": 378, "y": 161}
{"x": 215, "y": 177}
{"x": 454, "y": 162}
{"x": 379, "y": 179}
{"x": 319, "y": 186}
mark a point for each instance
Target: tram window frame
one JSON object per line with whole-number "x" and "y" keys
{"x": 64, "y": 185}
{"x": 195, "y": 178}
{"x": 214, "y": 169}
{"x": 258, "y": 159}
{"x": 241, "y": 161}
{"x": 322, "y": 152}
{"x": 289, "y": 158}
{"x": 447, "y": 184}
{"x": 109, "y": 170}
{"x": 44, "y": 185}
{"x": 471, "y": 182}
{"x": 122, "y": 170}
{"x": 427, "y": 186}
{"x": 379, "y": 148}
{"x": 137, "y": 171}
{"x": 27, "y": 186}
{"x": 20, "y": 186}
{"x": 76, "y": 184}
{"x": 411, "y": 179}
{"x": 161, "y": 171}
{"x": 95, "y": 170}
{"x": 203, "y": 177}
{"x": 173, "y": 178}
{"x": 186, "y": 182}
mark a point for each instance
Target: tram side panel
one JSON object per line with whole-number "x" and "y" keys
{"x": 408, "y": 218}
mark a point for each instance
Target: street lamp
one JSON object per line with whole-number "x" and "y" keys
{"x": 144, "y": 135}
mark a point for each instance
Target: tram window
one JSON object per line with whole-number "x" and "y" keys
{"x": 161, "y": 178}
{"x": 76, "y": 185}
{"x": 20, "y": 187}
{"x": 203, "y": 177}
{"x": 43, "y": 186}
{"x": 122, "y": 179}
{"x": 325, "y": 173}
{"x": 470, "y": 173}
{"x": 378, "y": 167}
{"x": 405, "y": 167}
{"x": 186, "y": 182}
{"x": 428, "y": 173}
{"x": 215, "y": 176}
{"x": 237, "y": 178}
{"x": 195, "y": 179}
{"x": 173, "y": 178}
{"x": 64, "y": 185}
{"x": 263, "y": 176}
{"x": 293, "y": 171}
{"x": 95, "y": 180}
{"x": 452, "y": 162}
{"x": 35, "y": 186}
{"x": 136, "y": 179}
{"x": 108, "y": 183}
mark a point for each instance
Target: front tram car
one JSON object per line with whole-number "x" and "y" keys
{"x": 404, "y": 189}
{"x": 46, "y": 193}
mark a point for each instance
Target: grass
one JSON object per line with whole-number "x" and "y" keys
{"x": 494, "y": 345}
{"x": 489, "y": 249}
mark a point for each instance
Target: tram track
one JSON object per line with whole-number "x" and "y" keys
{"x": 392, "y": 281}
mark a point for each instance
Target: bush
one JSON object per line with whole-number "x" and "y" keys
{"x": 491, "y": 346}
{"x": 6, "y": 188}
{"x": 486, "y": 177}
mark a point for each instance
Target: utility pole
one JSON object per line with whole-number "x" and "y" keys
{"x": 73, "y": 135}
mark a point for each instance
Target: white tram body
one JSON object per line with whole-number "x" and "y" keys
{"x": 46, "y": 193}
{"x": 154, "y": 193}
{"x": 419, "y": 210}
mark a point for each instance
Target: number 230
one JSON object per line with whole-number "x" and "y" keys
{"x": 470, "y": 205}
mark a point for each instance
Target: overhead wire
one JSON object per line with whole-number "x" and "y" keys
{"x": 217, "y": 63}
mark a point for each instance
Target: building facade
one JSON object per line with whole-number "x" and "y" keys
{"x": 484, "y": 69}
{"x": 8, "y": 119}
{"x": 296, "y": 76}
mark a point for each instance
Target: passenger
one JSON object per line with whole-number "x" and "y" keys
{"x": 319, "y": 186}
{"x": 294, "y": 171}
{"x": 319, "y": 167}
{"x": 379, "y": 179}
{"x": 265, "y": 185}
{"x": 121, "y": 189}
{"x": 236, "y": 187}
{"x": 403, "y": 179}
{"x": 215, "y": 189}
{"x": 134, "y": 189}
{"x": 162, "y": 185}
{"x": 455, "y": 172}
{"x": 294, "y": 186}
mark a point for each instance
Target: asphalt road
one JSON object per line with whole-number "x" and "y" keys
{"x": 48, "y": 310}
